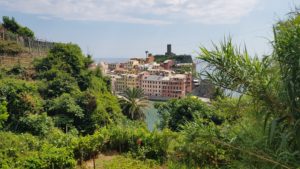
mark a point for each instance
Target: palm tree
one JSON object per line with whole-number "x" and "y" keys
{"x": 133, "y": 102}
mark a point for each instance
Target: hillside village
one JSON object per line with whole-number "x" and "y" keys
{"x": 162, "y": 80}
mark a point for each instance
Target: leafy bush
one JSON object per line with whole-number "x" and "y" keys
{"x": 132, "y": 139}
{"x": 37, "y": 124}
{"x": 22, "y": 98}
{"x": 197, "y": 146}
{"x": 27, "y": 151}
{"x": 140, "y": 142}
{"x": 10, "y": 48}
{"x": 90, "y": 146}
{"x": 176, "y": 112}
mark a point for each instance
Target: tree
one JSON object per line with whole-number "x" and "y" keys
{"x": 14, "y": 27}
{"x": 22, "y": 98}
{"x": 10, "y": 24}
{"x": 26, "y": 32}
{"x": 58, "y": 83}
{"x": 67, "y": 59}
{"x": 65, "y": 105}
{"x": 133, "y": 102}
{"x": 176, "y": 112}
{"x": 74, "y": 95}
{"x": 36, "y": 124}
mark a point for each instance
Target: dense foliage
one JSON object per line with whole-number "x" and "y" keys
{"x": 11, "y": 25}
{"x": 272, "y": 83}
{"x": 175, "y": 113}
{"x": 64, "y": 93}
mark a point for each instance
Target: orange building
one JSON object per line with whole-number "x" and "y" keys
{"x": 150, "y": 59}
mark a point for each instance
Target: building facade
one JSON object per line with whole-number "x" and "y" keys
{"x": 159, "y": 87}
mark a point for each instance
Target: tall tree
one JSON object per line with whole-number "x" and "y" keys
{"x": 74, "y": 96}
{"x": 15, "y": 27}
{"x": 10, "y": 24}
{"x": 133, "y": 102}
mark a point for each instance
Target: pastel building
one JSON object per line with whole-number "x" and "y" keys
{"x": 132, "y": 63}
{"x": 113, "y": 66}
{"x": 152, "y": 85}
{"x": 175, "y": 86}
{"x": 160, "y": 87}
{"x": 121, "y": 82}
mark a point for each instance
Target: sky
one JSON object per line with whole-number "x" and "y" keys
{"x": 128, "y": 28}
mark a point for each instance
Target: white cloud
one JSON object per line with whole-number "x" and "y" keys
{"x": 138, "y": 11}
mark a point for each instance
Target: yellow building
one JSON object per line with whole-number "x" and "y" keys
{"x": 121, "y": 82}
{"x": 132, "y": 63}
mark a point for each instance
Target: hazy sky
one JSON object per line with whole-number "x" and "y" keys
{"x": 126, "y": 28}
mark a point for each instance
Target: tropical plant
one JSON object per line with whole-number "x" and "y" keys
{"x": 273, "y": 84}
{"x": 197, "y": 147}
{"x": 133, "y": 102}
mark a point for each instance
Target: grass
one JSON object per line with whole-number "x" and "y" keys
{"x": 115, "y": 161}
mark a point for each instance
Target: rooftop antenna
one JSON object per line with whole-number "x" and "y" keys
{"x": 146, "y": 53}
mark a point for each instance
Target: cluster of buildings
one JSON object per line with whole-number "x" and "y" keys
{"x": 158, "y": 80}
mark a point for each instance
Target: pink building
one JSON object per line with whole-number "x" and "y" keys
{"x": 165, "y": 87}
{"x": 167, "y": 64}
{"x": 157, "y": 84}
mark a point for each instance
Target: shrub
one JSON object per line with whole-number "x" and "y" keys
{"x": 27, "y": 151}
{"x": 176, "y": 112}
{"x": 10, "y": 48}
{"x": 197, "y": 146}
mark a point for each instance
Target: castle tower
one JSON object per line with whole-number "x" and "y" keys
{"x": 169, "y": 50}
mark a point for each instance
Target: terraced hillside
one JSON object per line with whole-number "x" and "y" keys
{"x": 19, "y": 50}
{"x": 12, "y": 53}
{"x": 18, "y": 45}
